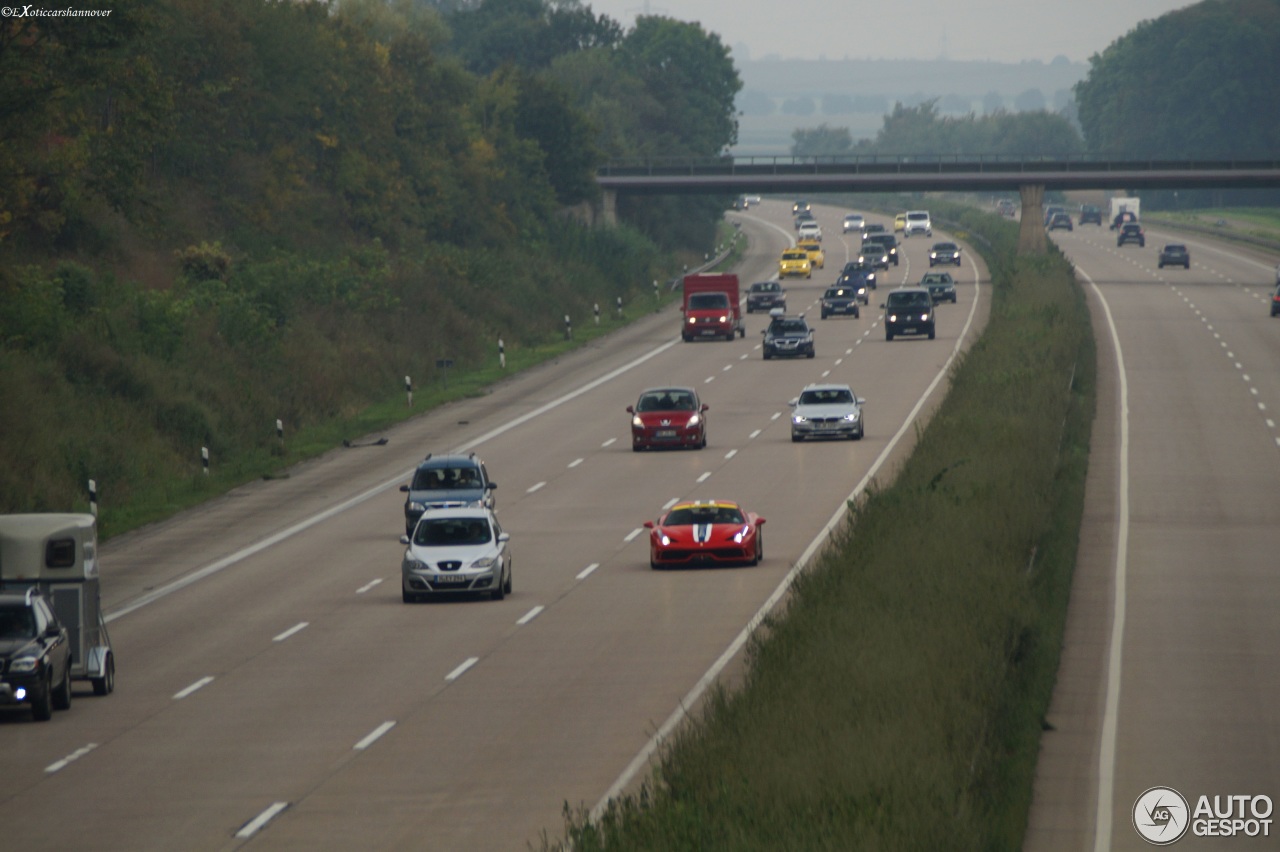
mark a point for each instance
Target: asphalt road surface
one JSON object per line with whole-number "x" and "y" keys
{"x": 274, "y": 692}
{"x": 1169, "y": 674}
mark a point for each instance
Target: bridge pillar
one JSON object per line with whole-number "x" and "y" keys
{"x": 609, "y": 206}
{"x": 1031, "y": 238}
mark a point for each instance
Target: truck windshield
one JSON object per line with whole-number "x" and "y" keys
{"x": 708, "y": 301}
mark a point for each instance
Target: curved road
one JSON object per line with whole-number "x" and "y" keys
{"x": 274, "y": 692}
{"x": 1168, "y": 677}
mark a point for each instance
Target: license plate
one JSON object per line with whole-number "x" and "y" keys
{"x": 450, "y": 578}
{"x": 909, "y": 330}
{"x": 710, "y": 331}
{"x": 666, "y": 433}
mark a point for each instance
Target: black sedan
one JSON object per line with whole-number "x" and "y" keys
{"x": 788, "y": 336}
{"x": 765, "y": 296}
{"x": 944, "y": 253}
{"x": 1175, "y": 254}
{"x": 842, "y": 301}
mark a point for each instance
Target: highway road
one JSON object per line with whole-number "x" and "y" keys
{"x": 1168, "y": 677}
{"x": 273, "y": 692}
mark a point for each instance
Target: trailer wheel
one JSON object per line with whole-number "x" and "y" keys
{"x": 106, "y": 684}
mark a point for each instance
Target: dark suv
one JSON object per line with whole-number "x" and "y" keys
{"x": 788, "y": 336}
{"x": 448, "y": 481}
{"x": 1174, "y": 254}
{"x": 35, "y": 655}
{"x": 1131, "y": 232}
{"x": 1090, "y": 214}
{"x": 909, "y": 310}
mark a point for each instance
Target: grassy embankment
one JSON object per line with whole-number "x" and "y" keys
{"x": 107, "y": 379}
{"x": 898, "y": 701}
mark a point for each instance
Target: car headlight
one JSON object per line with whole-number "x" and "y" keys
{"x": 924, "y": 317}
{"x": 637, "y": 422}
{"x": 24, "y": 665}
{"x": 694, "y": 420}
{"x": 415, "y": 564}
{"x": 484, "y": 562}
{"x": 693, "y": 319}
{"x": 415, "y": 506}
{"x": 853, "y": 416}
{"x": 724, "y": 317}
{"x": 666, "y": 540}
{"x": 798, "y": 419}
{"x": 741, "y": 534}
{"x": 893, "y": 317}
{"x": 933, "y": 255}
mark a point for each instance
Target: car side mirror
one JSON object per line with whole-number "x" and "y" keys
{"x": 793, "y": 403}
{"x": 882, "y": 304}
{"x": 705, "y": 407}
{"x": 404, "y": 488}
{"x": 648, "y": 525}
{"x": 759, "y": 522}
{"x": 490, "y": 486}
{"x": 404, "y": 539}
{"x": 631, "y": 409}
{"x": 53, "y": 631}
{"x": 504, "y": 537}
{"x": 764, "y": 331}
{"x": 861, "y": 401}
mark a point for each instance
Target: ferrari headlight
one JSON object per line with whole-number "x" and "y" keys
{"x": 740, "y": 535}
{"x": 665, "y": 539}
{"x": 24, "y": 665}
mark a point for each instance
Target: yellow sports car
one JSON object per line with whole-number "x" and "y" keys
{"x": 900, "y": 221}
{"x": 795, "y": 262}
{"x": 817, "y": 257}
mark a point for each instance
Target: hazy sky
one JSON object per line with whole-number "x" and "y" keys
{"x": 1001, "y": 30}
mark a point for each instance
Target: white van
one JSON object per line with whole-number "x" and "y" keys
{"x": 918, "y": 222}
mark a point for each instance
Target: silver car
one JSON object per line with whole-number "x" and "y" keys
{"x": 456, "y": 551}
{"x": 827, "y": 411}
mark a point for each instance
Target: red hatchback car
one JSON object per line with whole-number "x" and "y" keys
{"x": 705, "y": 532}
{"x": 668, "y": 417}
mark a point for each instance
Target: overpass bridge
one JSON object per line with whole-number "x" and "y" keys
{"x": 1029, "y": 176}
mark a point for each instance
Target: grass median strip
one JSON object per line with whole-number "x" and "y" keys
{"x": 898, "y": 701}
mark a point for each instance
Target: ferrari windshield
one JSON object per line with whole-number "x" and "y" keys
{"x": 683, "y": 516}
{"x": 452, "y": 532}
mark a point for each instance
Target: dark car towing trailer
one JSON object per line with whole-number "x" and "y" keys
{"x": 58, "y": 554}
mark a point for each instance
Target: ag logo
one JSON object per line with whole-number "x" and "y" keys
{"x": 1161, "y": 815}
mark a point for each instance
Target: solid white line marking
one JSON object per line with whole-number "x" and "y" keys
{"x": 1111, "y": 712}
{"x": 631, "y": 536}
{"x": 704, "y": 477}
{"x": 753, "y": 435}
{"x": 367, "y": 586}
{"x": 532, "y": 614}
{"x": 576, "y": 462}
{"x": 608, "y": 442}
{"x": 461, "y": 670}
{"x": 670, "y": 503}
{"x": 71, "y": 758}
{"x": 301, "y": 625}
{"x": 586, "y": 572}
{"x": 202, "y": 682}
{"x": 253, "y": 826}
{"x": 730, "y": 454}
{"x": 537, "y": 486}
{"x": 373, "y": 736}
{"x": 691, "y": 699}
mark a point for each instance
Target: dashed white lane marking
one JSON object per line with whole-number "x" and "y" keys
{"x": 730, "y": 454}
{"x": 373, "y": 736}
{"x": 608, "y": 442}
{"x": 839, "y": 361}
{"x": 300, "y": 626}
{"x": 704, "y": 477}
{"x": 726, "y": 368}
{"x": 776, "y": 415}
{"x": 369, "y": 585}
{"x": 742, "y": 357}
{"x": 753, "y": 435}
{"x": 535, "y": 612}
{"x": 462, "y": 669}
{"x": 708, "y": 380}
{"x": 71, "y": 758}
{"x": 632, "y": 535}
{"x": 535, "y": 487}
{"x": 586, "y": 572}
{"x": 670, "y": 503}
{"x": 576, "y": 462}
{"x": 255, "y": 825}
{"x": 200, "y": 684}
{"x": 826, "y": 373}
